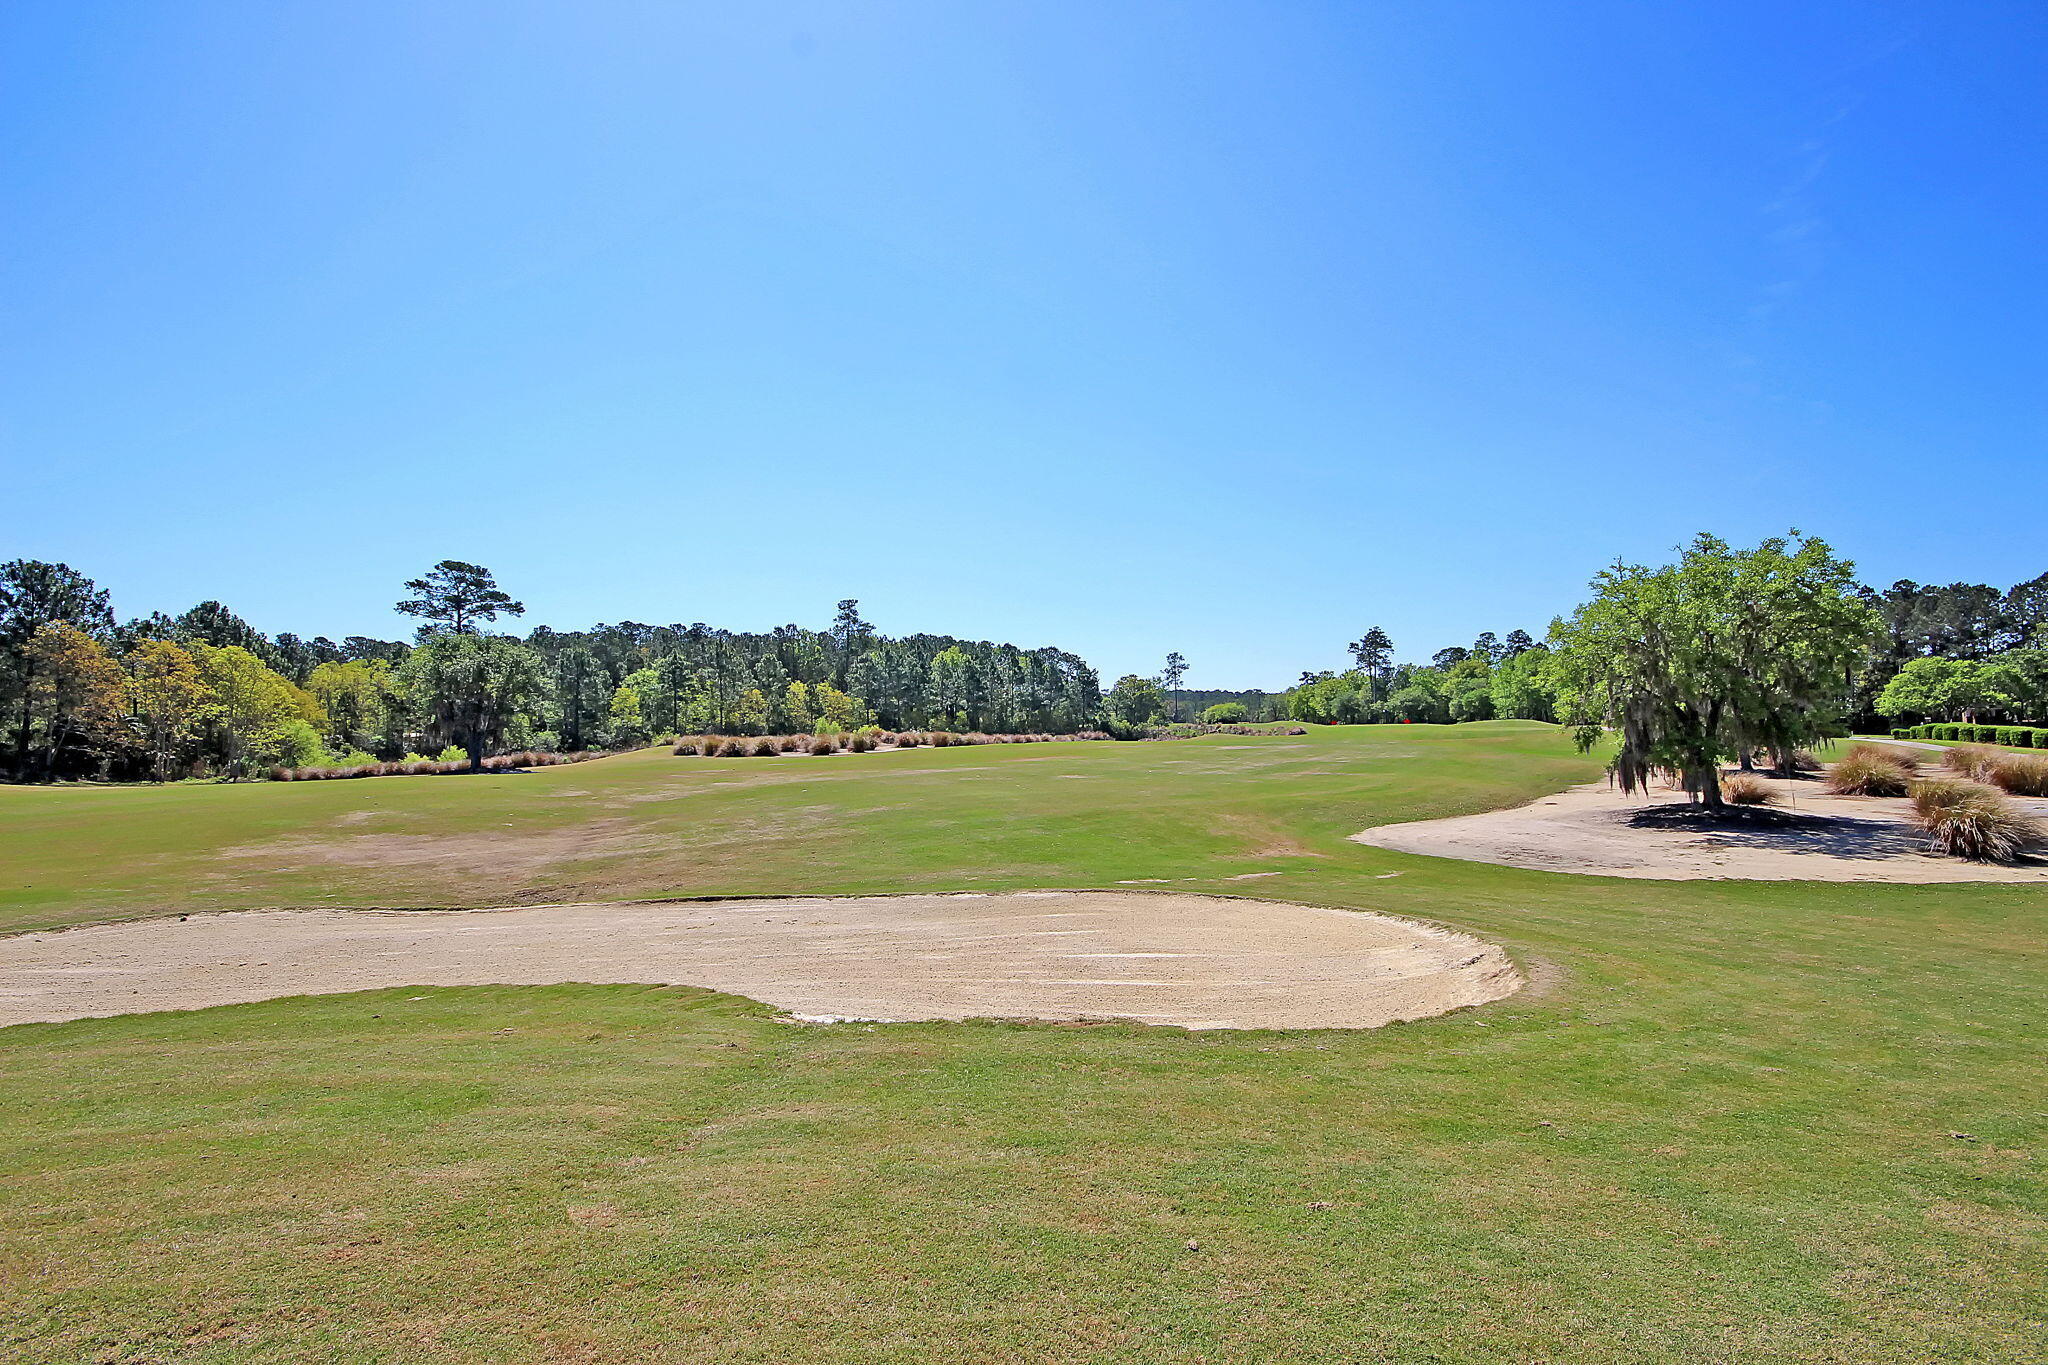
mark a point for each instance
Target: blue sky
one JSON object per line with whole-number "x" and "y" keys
{"x": 1231, "y": 329}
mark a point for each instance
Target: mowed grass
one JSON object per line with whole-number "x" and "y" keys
{"x": 649, "y": 824}
{"x": 1732, "y": 1122}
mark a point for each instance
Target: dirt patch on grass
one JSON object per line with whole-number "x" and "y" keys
{"x": 1187, "y": 960}
{"x": 1811, "y": 835}
{"x": 496, "y": 854}
{"x": 1264, "y": 838}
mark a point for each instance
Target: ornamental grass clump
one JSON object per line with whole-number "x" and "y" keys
{"x": 765, "y": 748}
{"x": 1868, "y": 771}
{"x": 824, "y": 744}
{"x": 1970, "y": 760}
{"x": 858, "y": 744}
{"x": 1747, "y": 789}
{"x": 908, "y": 739}
{"x": 1970, "y": 820}
{"x": 2019, "y": 774}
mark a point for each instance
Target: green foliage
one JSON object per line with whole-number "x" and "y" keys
{"x": 626, "y": 726}
{"x": 470, "y": 687}
{"x": 1725, "y": 649}
{"x": 249, "y": 705}
{"x": 294, "y": 744}
{"x": 1225, "y": 713}
{"x": 1134, "y": 702}
{"x": 458, "y": 597}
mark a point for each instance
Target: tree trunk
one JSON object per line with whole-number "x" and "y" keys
{"x": 476, "y": 749}
{"x": 1706, "y": 783}
{"x": 28, "y": 677}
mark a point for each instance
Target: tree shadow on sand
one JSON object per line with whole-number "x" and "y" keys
{"x": 1783, "y": 831}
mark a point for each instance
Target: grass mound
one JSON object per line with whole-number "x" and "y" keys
{"x": 1971, "y": 820}
{"x": 2019, "y": 774}
{"x": 1747, "y": 789}
{"x": 1866, "y": 770}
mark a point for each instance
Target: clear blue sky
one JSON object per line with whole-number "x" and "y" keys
{"x": 1126, "y": 327}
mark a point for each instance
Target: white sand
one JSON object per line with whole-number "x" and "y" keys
{"x": 1188, "y": 960}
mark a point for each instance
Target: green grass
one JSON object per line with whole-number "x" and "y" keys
{"x": 1720, "y": 1128}
{"x": 650, "y": 824}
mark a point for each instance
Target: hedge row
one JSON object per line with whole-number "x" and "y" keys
{"x": 424, "y": 767}
{"x": 2012, "y": 736}
{"x": 860, "y": 742}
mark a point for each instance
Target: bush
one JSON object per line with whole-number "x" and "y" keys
{"x": 1970, "y": 760}
{"x": 824, "y": 744}
{"x": 858, "y": 743}
{"x": 2019, "y": 774}
{"x": 765, "y": 747}
{"x": 732, "y": 748}
{"x": 1225, "y": 713}
{"x": 1747, "y": 789}
{"x": 1970, "y": 820}
{"x": 1902, "y": 732}
{"x": 1867, "y": 770}
{"x": 687, "y": 748}
{"x": 908, "y": 739}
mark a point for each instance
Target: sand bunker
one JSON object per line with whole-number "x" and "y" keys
{"x": 1595, "y": 829}
{"x": 1192, "y": 961}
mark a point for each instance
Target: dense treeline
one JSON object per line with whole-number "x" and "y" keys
{"x": 1964, "y": 652}
{"x": 1188, "y": 703}
{"x": 206, "y": 693}
{"x": 1495, "y": 678}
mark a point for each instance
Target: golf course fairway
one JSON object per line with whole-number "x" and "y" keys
{"x": 1724, "y": 1121}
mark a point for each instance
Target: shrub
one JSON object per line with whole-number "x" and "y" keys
{"x": 1902, "y": 732}
{"x": 1970, "y": 760}
{"x": 1868, "y": 771}
{"x": 765, "y": 747}
{"x": 908, "y": 739}
{"x": 732, "y": 748}
{"x": 1970, "y": 820}
{"x": 824, "y": 744}
{"x": 2020, "y": 774}
{"x": 1747, "y": 789}
{"x": 858, "y": 743}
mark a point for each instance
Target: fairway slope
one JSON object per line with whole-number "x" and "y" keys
{"x": 1185, "y": 960}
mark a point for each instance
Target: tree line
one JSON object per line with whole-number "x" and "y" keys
{"x": 1495, "y": 678}
{"x": 205, "y": 692}
{"x": 1963, "y": 652}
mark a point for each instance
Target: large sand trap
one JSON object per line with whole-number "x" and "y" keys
{"x": 1596, "y": 829}
{"x": 1193, "y": 961}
